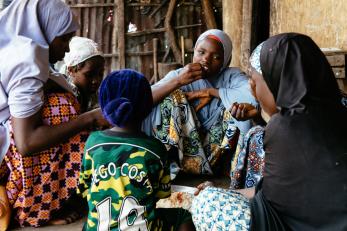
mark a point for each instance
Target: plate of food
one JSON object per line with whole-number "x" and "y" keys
{"x": 181, "y": 197}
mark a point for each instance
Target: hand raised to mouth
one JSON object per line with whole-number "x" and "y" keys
{"x": 204, "y": 69}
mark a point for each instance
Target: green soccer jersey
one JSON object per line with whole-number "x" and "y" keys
{"x": 122, "y": 177}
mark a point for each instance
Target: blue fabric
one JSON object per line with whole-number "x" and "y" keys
{"x": 125, "y": 96}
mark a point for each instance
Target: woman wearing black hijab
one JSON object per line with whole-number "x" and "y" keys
{"x": 305, "y": 178}
{"x": 304, "y": 186}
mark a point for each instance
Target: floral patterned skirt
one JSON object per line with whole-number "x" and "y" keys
{"x": 199, "y": 152}
{"x": 39, "y": 184}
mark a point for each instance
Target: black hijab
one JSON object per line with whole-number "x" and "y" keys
{"x": 305, "y": 177}
{"x": 297, "y": 73}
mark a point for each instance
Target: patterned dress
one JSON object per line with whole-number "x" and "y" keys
{"x": 249, "y": 160}
{"x": 200, "y": 152}
{"x": 123, "y": 176}
{"x": 39, "y": 184}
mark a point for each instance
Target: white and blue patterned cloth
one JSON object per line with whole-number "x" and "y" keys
{"x": 216, "y": 209}
{"x": 255, "y": 58}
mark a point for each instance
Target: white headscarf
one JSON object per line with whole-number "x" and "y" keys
{"x": 27, "y": 27}
{"x": 224, "y": 39}
{"x": 39, "y": 20}
{"x": 81, "y": 49}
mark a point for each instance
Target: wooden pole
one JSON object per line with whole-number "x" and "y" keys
{"x": 114, "y": 36}
{"x": 170, "y": 32}
{"x": 121, "y": 33}
{"x": 155, "y": 60}
{"x": 86, "y": 17}
{"x": 232, "y": 25}
{"x": 158, "y": 8}
{"x": 182, "y": 49}
{"x": 246, "y": 32}
{"x": 209, "y": 15}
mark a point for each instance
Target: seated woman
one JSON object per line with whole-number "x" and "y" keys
{"x": 248, "y": 163}
{"x": 201, "y": 137}
{"x": 42, "y": 136}
{"x": 305, "y": 175}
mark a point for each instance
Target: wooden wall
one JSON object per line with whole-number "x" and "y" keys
{"x": 232, "y": 25}
{"x": 237, "y": 23}
{"x": 107, "y": 22}
{"x": 323, "y": 20}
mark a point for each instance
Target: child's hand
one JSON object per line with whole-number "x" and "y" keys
{"x": 98, "y": 119}
{"x": 202, "y": 186}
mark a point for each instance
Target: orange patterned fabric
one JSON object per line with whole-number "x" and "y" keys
{"x": 38, "y": 185}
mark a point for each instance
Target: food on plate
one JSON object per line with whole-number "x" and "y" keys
{"x": 177, "y": 200}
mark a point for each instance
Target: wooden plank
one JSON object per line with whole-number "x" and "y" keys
{"x": 121, "y": 33}
{"x": 336, "y": 60}
{"x": 158, "y": 8}
{"x": 171, "y": 37}
{"x": 107, "y": 35}
{"x": 160, "y": 30}
{"x": 246, "y": 32}
{"x": 78, "y": 14}
{"x": 142, "y": 4}
{"x": 99, "y": 25}
{"x": 91, "y": 5}
{"x": 339, "y": 72}
{"x": 134, "y": 53}
{"x": 155, "y": 59}
{"x": 85, "y": 32}
{"x": 342, "y": 83}
{"x": 208, "y": 14}
{"x": 92, "y": 24}
{"x": 332, "y": 51}
{"x": 114, "y": 36}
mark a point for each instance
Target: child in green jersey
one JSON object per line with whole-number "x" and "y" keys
{"x": 124, "y": 172}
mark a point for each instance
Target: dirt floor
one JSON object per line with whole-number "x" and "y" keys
{"x": 187, "y": 180}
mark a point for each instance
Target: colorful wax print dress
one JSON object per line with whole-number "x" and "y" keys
{"x": 39, "y": 184}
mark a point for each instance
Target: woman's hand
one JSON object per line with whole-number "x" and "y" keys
{"x": 204, "y": 96}
{"x": 190, "y": 73}
{"x": 243, "y": 111}
{"x": 202, "y": 186}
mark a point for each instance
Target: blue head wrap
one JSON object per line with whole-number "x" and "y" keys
{"x": 125, "y": 96}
